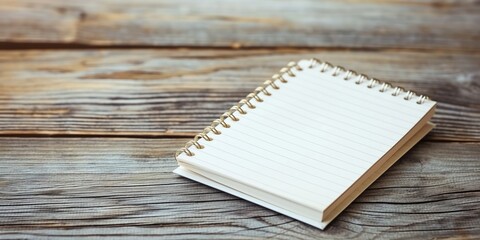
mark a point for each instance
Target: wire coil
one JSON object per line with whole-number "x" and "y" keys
{"x": 337, "y": 71}
{"x": 241, "y": 108}
{"x": 274, "y": 84}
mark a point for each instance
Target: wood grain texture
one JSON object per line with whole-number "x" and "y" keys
{"x": 124, "y": 188}
{"x": 179, "y": 92}
{"x": 430, "y": 24}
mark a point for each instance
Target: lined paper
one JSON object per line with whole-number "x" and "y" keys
{"x": 311, "y": 139}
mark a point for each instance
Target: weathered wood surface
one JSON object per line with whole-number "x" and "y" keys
{"x": 179, "y": 92}
{"x": 103, "y": 185}
{"x": 124, "y": 188}
{"x": 430, "y": 24}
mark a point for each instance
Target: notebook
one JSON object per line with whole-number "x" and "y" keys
{"x": 308, "y": 141}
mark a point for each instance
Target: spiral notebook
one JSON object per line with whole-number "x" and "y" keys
{"x": 309, "y": 141}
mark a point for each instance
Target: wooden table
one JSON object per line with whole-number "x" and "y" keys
{"x": 95, "y": 97}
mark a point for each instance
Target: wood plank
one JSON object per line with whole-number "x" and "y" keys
{"x": 179, "y": 92}
{"x": 120, "y": 187}
{"x": 421, "y": 24}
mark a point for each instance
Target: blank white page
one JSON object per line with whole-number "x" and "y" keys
{"x": 311, "y": 139}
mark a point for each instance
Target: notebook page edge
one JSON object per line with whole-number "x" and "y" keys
{"x": 184, "y": 172}
{"x": 298, "y": 208}
{"x": 401, "y": 151}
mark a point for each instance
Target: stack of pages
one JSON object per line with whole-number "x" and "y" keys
{"x": 309, "y": 141}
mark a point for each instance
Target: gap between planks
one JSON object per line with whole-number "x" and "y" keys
{"x": 15, "y": 46}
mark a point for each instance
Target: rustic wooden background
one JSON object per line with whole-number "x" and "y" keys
{"x": 96, "y": 96}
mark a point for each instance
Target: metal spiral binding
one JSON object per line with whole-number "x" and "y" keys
{"x": 240, "y": 108}
{"x": 275, "y": 83}
{"x": 361, "y": 78}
